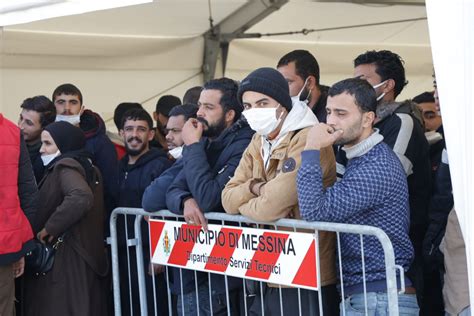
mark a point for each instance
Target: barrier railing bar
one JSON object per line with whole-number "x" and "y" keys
{"x": 318, "y": 272}
{"x": 340, "y": 273}
{"x": 363, "y": 272}
{"x": 152, "y": 268}
{"x": 127, "y": 242}
{"x": 331, "y": 227}
{"x": 115, "y": 263}
{"x": 141, "y": 267}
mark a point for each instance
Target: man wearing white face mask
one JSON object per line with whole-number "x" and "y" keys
{"x": 68, "y": 101}
{"x": 264, "y": 185}
{"x": 154, "y": 197}
{"x": 400, "y": 125}
{"x": 301, "y": 70}
{"x": 178, "y": 116}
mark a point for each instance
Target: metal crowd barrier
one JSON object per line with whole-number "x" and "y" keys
{"x": 136, "y": 242}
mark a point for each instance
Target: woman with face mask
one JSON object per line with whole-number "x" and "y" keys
{"x": 70, "y": 209}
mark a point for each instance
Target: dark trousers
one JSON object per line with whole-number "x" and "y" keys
{"x": 290, "y": 302}
{"x": 7, "y": 291}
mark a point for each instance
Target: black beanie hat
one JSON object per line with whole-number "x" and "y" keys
{"x": 166, "y": 103}
{"x": 66, "y": 136}
{"x": 270, "y": 82}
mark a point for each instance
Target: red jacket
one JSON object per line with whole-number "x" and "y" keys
{"x": 15, "y": 230}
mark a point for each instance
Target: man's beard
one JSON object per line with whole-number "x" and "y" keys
{"x": 134, "y": 152}
{"x": 351, "y": 135}
{"x": 213, "y": 130}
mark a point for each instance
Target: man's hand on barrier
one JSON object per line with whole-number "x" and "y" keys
{"x": 193, "y": 214}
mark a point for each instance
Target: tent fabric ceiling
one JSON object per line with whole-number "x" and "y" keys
{"x": 166, "y": 35}
{"x": 159, "y": 27}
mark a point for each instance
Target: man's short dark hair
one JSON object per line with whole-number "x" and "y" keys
{"x": 360, "y": 89}
{"x": 187, "y": 110}
{"x": 191, "y": 96}
{"x": 137, "y": 115}
{"x": 121, "y": 109}
{"x": 44, "y": 107}
{"x": 67, "y": 89}
{"x": 305, "y": 63}
{"x": 166, "y": 103}
{"x": 388, "y": 65}
{"x": 424, "y": 97}
{"x": 229, "y": 100}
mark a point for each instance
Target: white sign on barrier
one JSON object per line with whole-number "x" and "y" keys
{"x": 287, "y": 258}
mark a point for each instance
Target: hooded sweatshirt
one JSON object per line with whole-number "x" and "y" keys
{"x": 103, "y": 153}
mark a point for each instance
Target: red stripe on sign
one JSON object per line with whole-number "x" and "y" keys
{"x": 306, "y": 274}
{"x": 184, "y": 243}
{"x": 224, "y": 248}
{"x": 156, "y": 228}
{"x": 269, "y": 248}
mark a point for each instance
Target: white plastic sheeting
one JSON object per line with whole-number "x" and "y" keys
{"x": 451, "y": 25}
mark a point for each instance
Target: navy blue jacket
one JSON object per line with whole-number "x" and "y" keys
{"x": 103, "y": 153}
{"x": 154, "y": 198}
{"x": 207, "y": 167}
{"x": 133, "y": 180}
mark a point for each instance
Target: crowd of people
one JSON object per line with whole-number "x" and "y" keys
{"x": 277, "y": 144}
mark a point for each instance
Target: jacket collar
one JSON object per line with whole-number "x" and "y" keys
{"x": 227, "y": 136}
{"x": 385, "y": 109}
{"x": 151, "y": 154}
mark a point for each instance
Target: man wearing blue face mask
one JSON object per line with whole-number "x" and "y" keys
{"x": 263, "y": 187}
{"x": 68, "y": 101}
{"x": 402, "y": 131}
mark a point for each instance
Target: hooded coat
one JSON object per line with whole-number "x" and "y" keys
{"x": 68, "y": 204}
{"x": 278, "y": 197}
{"x": 104, "y": 155}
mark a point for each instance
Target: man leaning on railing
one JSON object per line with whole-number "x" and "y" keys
{"x": 373, "y": 191}
{"x": 263, "y": 187}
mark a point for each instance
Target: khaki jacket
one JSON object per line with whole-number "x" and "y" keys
{"x": 278, "y": 197}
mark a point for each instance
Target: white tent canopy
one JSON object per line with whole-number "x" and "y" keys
{"x": 136, "y": 53}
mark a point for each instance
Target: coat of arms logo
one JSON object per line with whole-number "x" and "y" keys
{"x": 166, "y": 244}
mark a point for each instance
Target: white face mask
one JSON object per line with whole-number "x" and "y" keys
{"x": 176, "y": 152}
{"x": 296, "y": 98}
{"x": 262, "y": 120}
{"x": 383, "y": 93}
{"x": 72, "y": 119}
{"x": 48, "y": 158}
